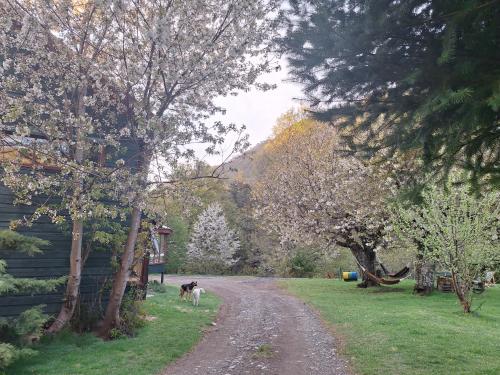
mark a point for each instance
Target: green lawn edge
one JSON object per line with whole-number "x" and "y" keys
{"x": 390, "y": 330}
{"x": 177, "y": 327}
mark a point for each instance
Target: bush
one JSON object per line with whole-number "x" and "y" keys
{"x": 29, "y": 325}
{"x": 206, "y": 267}
{"x": 249, "y": 270}
{"x": 303, "y": 264}
{"x": 25, "y": 329}
{"x": 132, "y": 313}
{"x": 19, "y": 333}
{"x": 266, "y": 270}
{"x": 156, "y": 287}
{"x": 340, "y": 260}
{"x": 115, "y": 334}
{"x": 9, "y": 354}
{"x": 87, "y": 314}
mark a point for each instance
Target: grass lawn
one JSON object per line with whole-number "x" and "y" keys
{"x": 177, "y": 327}
{"x": 388, "y": 330}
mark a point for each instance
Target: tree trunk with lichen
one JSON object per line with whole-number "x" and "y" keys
{"x": 424, "y": 271}
{"x": 366, "y": 257}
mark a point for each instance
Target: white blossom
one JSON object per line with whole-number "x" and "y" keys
{"x": 156, "y": 66}
{"x": 212, "y": 240}
{"x": 314, "y": 193}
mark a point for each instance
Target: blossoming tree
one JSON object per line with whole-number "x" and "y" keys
{"x": 213, "y": 244}
{"x": 313, "y": 192}
{"x": 57, "y": 116}
{"x": 457, "y": 230}
{"x": 161, "y": 64}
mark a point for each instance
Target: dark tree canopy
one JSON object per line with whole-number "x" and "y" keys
{"x": 412, "y": 74}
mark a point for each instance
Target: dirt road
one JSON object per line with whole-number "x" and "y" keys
{"x": 260, "y": 330}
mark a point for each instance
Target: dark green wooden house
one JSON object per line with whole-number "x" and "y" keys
{"x": 54, "y": 262}
{"x": 55, "y": 259}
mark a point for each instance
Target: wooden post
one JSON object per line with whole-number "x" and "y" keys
{"x": 145, "y": 270}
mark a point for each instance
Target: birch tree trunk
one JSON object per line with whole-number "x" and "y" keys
{"x": 74, "y": 278}
{"x": 75, "y": 266}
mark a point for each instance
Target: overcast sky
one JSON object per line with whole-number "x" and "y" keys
{"x": 259, "y": 110}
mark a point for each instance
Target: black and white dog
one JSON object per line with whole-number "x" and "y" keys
{"x": 187, "y": 289}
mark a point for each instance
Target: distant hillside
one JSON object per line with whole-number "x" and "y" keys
{"x": 248, "y": 166}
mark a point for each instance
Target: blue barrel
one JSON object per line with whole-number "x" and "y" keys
{"x": 349, "y": 276}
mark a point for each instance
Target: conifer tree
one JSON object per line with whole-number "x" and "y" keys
{"x": 21, "y": 330}
{"x": 415, "y": 74}
{"x": 213, "y": 243}
{"x": 12, "y": 241}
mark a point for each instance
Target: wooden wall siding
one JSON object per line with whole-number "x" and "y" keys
{"x": 54, "y": 262}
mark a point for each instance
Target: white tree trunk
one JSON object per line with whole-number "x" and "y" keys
{"x": 75, "y": 269}
{"x": 73, "y": 285}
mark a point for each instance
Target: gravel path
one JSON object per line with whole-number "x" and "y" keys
{"x": 260, "y": 330}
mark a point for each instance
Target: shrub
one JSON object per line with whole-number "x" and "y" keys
{"x": 87, "y": 314}
{"x": 8, "y": 354}
{"x": 29, "y": 325}
{"x": 303, "y": 264}
{"x": 333, "y": 263}
{"x": 266, "y": 270}
{"x": 249, "y": 270}
{"x": 132, "y": 313}
{"x": 156, "y": 287}
{"x": 19, "y": 333}
{"x": 115, "y": 334}
{"x": 206, "y": 267}
{"x": 23, "y": 330}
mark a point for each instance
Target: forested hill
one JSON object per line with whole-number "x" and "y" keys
{"x": 249, "y": 165}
